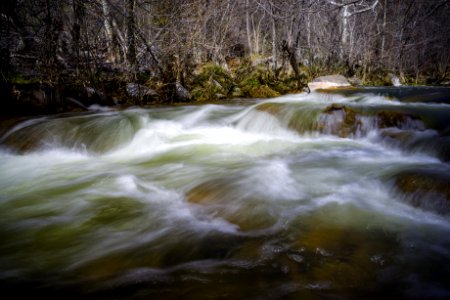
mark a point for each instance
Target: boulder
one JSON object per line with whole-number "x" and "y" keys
{"x": 399, "y": 120}
{"x": 427, "y": 189}
{"x": 224, "y": 198}
{"x": 182, "y": 94}
{"x": 340, "y": 120}
{"x": 92, "y": 95}
{"x": 39, "y": 97}
{"x": 139, "y": 91}
{"x": 355, "y": 81}
{"x": 273, "y": 109}
{"x": 263, "y": 91}
{"x": 327, "y": 82}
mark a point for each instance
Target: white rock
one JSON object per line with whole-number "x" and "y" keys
{"x": 327, "y": 82}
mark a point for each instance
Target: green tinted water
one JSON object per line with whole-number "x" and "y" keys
{"x": 228, "y": 201}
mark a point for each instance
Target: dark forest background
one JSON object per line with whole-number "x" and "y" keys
{"x": 61, "y": 54}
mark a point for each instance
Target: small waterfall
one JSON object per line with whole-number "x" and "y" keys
{"x": 395, "y": 80}
{"x": 96, "y": 133}
{"x": 351, "y": 119}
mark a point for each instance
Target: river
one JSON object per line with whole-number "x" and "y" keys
{"x": 308, "y": 196}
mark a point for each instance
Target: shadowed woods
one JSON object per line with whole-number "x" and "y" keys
{"x": 68, "y": 55}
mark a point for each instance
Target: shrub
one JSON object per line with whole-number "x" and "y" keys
{"x": 212, "y": 82}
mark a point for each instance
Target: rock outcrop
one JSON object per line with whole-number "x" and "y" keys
{"x": 182, "y": 94}
{"x": 139, "y": 91}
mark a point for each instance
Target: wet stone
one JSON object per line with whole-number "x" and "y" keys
{"x": 327, "y": 82}
{"x": 399, "y": 120}
{"x": 428, "y": 190}
{"x": 342, "y": 256}
{"x": 270, "y": 108}
{"x": 339, "y": 120}
{"x": 222, "y": 199}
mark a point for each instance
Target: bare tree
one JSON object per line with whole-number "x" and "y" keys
{"x": 131, "y": 40}
{"x": 348, "y": 9}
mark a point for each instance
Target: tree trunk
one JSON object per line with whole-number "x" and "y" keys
{"x": 274, "y": 42}
{"x": 79, "y": 14}
{"x": 308, "y": 30}
{"x": 286, "y": 47}
{"x": 108, "y": 31}
{"x": 247, "y": 23}
{"x": 383, "y": 33}
{"x": 345, "y": 33}
{"x": 131, "y": 41}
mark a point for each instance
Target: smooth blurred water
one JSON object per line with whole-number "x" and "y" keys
{"x": 256, "y": 201}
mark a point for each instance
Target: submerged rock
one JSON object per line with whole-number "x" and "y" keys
{"x": 345, "y": 257}
{"x": 340, "y": 120}
{"x": 427, "y": 189}
{"x": 327, "y": 82}
{"x": 96, "y": 135}
{"x": 399, "y": 120}
{"x": 344, "y": 121}
{"x": 431, "y": 143}
{"x": 397, "y": 137}
{"x": 227, "y": 200}
{"x": 273, "y": 109}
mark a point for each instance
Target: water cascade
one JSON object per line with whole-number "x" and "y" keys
{"x": 322, "y": 195}
{"x": 395, "y": 80}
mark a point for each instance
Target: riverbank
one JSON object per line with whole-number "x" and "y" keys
{"x": 240, "y": 78}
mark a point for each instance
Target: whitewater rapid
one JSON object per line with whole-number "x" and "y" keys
{"x": 147, "y": 198}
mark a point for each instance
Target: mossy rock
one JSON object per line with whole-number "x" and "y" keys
{"x": 202, "y": 94}
{"x": 263, "y": 91}
{"x": 248, "y": 84}
{"x": 255, "y": 83}
{"x": 211, "y": 82}
{"x": 303, "y": 121}
{"x": 340, "y": 120}
{"x": 273, "y": 109}
{"x": 284, "y": 87}
{"x": 210, "y": 69}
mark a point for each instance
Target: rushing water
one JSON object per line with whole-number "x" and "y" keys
{"x": 294, "y": 197}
